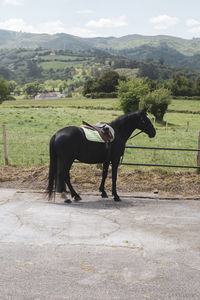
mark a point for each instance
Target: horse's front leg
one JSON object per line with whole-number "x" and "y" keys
{"x": 115, "y": 165}
{"x": 104, "y": 176}
{"x": 68, "y": 181}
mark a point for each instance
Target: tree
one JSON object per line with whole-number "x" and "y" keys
{"x": 149, "y": 70}
{"x": 11, "y": 86}
{"x": 62, "y": 86}
{"x": 157, "y": 102}
{"x": 108, "y": 81}
{"x": 5, "y": 73}
{"x": 32, "y": 89}
{"x": 33, "y": 69}
{"x": 3, "y": 90}
{"x": 91, "y": 86}
{"x": 131, "y": 92}
{"x": 197, "y": 86}
{"x": 180, "y": 85}
{"x": 17, "y": 91}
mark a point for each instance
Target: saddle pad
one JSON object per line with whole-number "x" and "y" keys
{"x": 92, "y": 135}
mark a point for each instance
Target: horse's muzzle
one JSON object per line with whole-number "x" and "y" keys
{"x": 152, "y": 134}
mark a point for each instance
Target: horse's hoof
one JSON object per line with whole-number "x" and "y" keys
{"x": 104, "y": 195}
{"x": 117, "y": 199}
{"x": 67, "y": 201}
{"x": 77, "y": 198}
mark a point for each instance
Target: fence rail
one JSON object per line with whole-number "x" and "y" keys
{"x": 170, "y": 149}
{"x": 161, "y": 148}
{"x": 163, "y": 166}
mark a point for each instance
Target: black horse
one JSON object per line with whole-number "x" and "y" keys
{"x": 70, "y": 143}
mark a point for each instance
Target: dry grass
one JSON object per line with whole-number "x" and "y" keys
{"x": 87, "y": 178}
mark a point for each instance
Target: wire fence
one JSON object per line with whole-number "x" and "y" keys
{"x": 23, "y": 149}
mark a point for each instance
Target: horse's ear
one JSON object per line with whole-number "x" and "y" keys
{"x": 144, "y": 110}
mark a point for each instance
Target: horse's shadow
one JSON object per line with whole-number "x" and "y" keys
{"x": 102, "y": 204}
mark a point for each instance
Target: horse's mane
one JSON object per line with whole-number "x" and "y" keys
{"x": 123, "y": 118}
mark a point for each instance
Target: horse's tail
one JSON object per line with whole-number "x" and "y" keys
{"x": 52, "y": 167}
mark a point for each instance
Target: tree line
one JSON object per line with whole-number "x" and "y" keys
{"x": 177, "y": 84}
{"x": 134, "y": 93}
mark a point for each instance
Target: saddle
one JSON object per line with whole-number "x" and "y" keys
{"x": 105, "y": 131}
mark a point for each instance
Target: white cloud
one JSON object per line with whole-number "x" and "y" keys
{"x": 50, "y": 27}
{"x": 46, "y": 27}
{"x": 16, "y": 25}
{"x": 13, "y": 2}
{"x": 108, "y": 22}
{"x": 85, "y": 12}
{"x": 192, "y": 22}
{"x": 164, "y": 22}
{"x": 195, "y": 31}
{"x": 194, "y": 27}
{"x": 82, "y": 32}
{"x": 21, "y": 25}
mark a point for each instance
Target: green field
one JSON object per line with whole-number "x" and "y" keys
{"x": 59, "y": 65}
{"x": 31, "y": 123}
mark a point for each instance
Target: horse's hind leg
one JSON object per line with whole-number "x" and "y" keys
{"x": 104, "y": 176}
{"x": 60, "y": 179}
{"x": 68, "y": 182}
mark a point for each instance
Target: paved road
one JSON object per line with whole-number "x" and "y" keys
{"x": 98, "y": 249}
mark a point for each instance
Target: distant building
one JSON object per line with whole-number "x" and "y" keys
{"x": 52, "y": 95}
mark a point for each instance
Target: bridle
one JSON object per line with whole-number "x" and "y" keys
{"x": 143, "y": 121}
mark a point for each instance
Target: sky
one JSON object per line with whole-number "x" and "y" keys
{"x": 91, "y": 18}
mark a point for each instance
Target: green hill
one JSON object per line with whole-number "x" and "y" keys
{"x": 184, "y": 46}
{"x": 26, "y": 57}
{"x": 172, "y": 50}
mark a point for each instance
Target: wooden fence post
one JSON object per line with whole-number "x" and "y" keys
{"x": 5, "y": 144}
{"x": 198, "y": 155}
{"x": 187, "y": 128}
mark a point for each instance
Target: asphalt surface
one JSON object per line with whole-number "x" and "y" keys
{"x": 140, "y": 248}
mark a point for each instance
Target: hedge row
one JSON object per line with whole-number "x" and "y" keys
{"x": 101, "y": 95}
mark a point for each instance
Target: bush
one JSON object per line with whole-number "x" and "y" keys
{"x": 157, "y": 102}
{"x": 3, "y": 90}
{"x": 131, "y": 92}
{"x": 101, "y": 95}
{"x": 10, "y": 98}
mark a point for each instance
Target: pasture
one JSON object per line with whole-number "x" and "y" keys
{"x": 31, "y": 123}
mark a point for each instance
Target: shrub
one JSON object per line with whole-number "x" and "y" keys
{"x": 3, "y": 90}
{"x": 157, "y": 102}
{"x": 131, "y": 92}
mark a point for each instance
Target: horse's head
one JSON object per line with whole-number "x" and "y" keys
{"x": 145, "y": 124}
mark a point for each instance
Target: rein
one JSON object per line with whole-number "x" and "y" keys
{"x": 135, "y": 135}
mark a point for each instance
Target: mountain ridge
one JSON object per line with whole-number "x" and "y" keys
{"x": 63, "y": 41}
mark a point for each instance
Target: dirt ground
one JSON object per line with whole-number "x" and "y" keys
{"x": 87, "y": 178}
